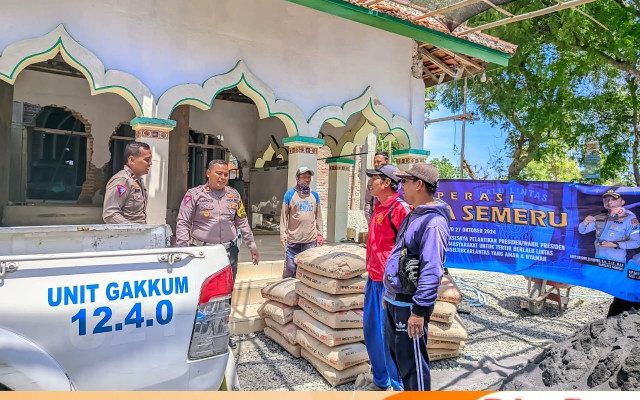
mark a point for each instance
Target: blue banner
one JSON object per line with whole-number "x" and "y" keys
{"x": 578, "y": 234}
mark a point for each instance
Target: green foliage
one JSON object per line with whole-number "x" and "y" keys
{"x": 446, "y": 168}
{"x": 552, "y": 167}
{"x": 571, "y": 81}
{"x": 388, "y": 144}
{"x": 430, "y": 104}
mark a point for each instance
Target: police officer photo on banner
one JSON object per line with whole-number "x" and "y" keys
{"x": 613, "y": 229}
{"x": 615, "y": 232}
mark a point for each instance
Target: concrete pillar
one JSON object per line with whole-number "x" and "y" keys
{"x": 155, "y": 132}
{"x": 367, "y": 163}
{"x": 404, "y": 159}
{"x": 303, "y": 151}
{"x": 338, "y": 198}
{"x": 178, "y": 162}
{"x": 6, "y": 112}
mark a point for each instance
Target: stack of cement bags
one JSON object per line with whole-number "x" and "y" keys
{"x": 446, "y": 332}
{"x": 330, "y": 287}
{"x": 277, "y": 312}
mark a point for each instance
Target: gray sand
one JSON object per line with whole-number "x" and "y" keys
{"x": 602, "y": 355}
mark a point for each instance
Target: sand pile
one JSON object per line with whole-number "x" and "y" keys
{"x": 603, "y": 355}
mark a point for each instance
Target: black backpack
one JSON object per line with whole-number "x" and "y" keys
{"x": 409, "y": 264}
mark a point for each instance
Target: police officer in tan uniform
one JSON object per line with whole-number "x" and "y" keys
{"x": 213, "y": 213}
{"x": 125, "y": 198}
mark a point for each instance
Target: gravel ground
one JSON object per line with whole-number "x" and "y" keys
{"x": 501, "y": 338}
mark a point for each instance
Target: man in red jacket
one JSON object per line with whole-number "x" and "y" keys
{"x": 388, "y": 214}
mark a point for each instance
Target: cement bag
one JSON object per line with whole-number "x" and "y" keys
{"x": 293, "y": 349}
{"x": 453, "y": 333}
{"x": 448, "y": 290}
{"x": 325, "y": 334}
{"x": 332, "y": 375}
{"x": 443, "y": 344}
{"x": 281, "y": 313}
{"x": 283, "y": 291}
{"x": 330, "y": 302}
{"x": 441, "y": 354}
{"x": 444, "y": 312}
{"x": 340, "y": 262}
{"x": 331, "y": 285}
{"x": 339, "y": 357}
{"x": 337, "y": 320}
{"x": 287, "y": 331}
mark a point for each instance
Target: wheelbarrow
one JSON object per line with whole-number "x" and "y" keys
{"x": 541, "y": 290}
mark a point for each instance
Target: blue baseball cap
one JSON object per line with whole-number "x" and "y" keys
{"x": 387, "y": 170}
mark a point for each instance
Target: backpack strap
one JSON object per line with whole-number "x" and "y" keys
{"x": 395, "y": 230}
{"x": 390, "y": 213}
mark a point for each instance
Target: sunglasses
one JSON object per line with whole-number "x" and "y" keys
{"x": 404, "y": 180}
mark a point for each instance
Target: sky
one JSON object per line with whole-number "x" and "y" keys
{"x": 481, "y": 139}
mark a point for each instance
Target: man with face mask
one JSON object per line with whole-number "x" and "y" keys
{"x": 300, "y": 220}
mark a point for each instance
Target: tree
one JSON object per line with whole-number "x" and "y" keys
{"x": 388, "y": 144}
{"x": 446, "y": 168}
{"x": 555, "y": 166}
{"x": 571, "y": 81}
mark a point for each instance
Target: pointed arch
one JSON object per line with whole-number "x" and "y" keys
{"x": 19, "y": 55}
{"x": 271, "y": 150}
{"x": 203, "y": 96}
{"x": 374, "y": 111}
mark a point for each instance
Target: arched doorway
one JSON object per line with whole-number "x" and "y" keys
{"x": 203, "y": 148}
{"x": 56, "y": 155}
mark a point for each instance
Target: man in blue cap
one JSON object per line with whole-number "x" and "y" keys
{"x": 412, "y": 275}
{"x": 388, "y": 213}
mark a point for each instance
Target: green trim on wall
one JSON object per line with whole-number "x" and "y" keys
{"x": 401, "y": 27}
{"x": 87, "y": 73}
{"x": 167, "y": 123}
{"x": 340, "y": 160}
{"x": 242, "y": 79}
{"x": 303, "y": 140}
{"x": 411, "y": 151}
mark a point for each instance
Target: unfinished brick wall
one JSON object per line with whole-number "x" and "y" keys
{"x": 322, "y": 179}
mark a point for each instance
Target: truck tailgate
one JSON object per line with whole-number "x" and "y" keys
{"x": 115, "y": 319}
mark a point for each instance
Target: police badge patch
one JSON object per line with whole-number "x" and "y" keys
{"x": 121, "y": 189}
{"x": 187, "y": 198}
{"x": 241, "y": 213}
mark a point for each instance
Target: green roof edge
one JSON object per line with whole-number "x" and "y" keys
{"x": 404, "y": 28}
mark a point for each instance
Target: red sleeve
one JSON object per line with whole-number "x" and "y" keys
{"x": 399, "y": 214}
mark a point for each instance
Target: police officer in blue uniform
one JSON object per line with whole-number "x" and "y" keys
{"x": 616, "y": 230}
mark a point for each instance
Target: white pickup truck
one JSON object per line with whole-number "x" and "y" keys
{"x": 112, "y": 307}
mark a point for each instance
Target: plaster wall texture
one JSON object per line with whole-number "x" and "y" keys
{"x": 236, "y": 122}
{"x": 307, "y": 57}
